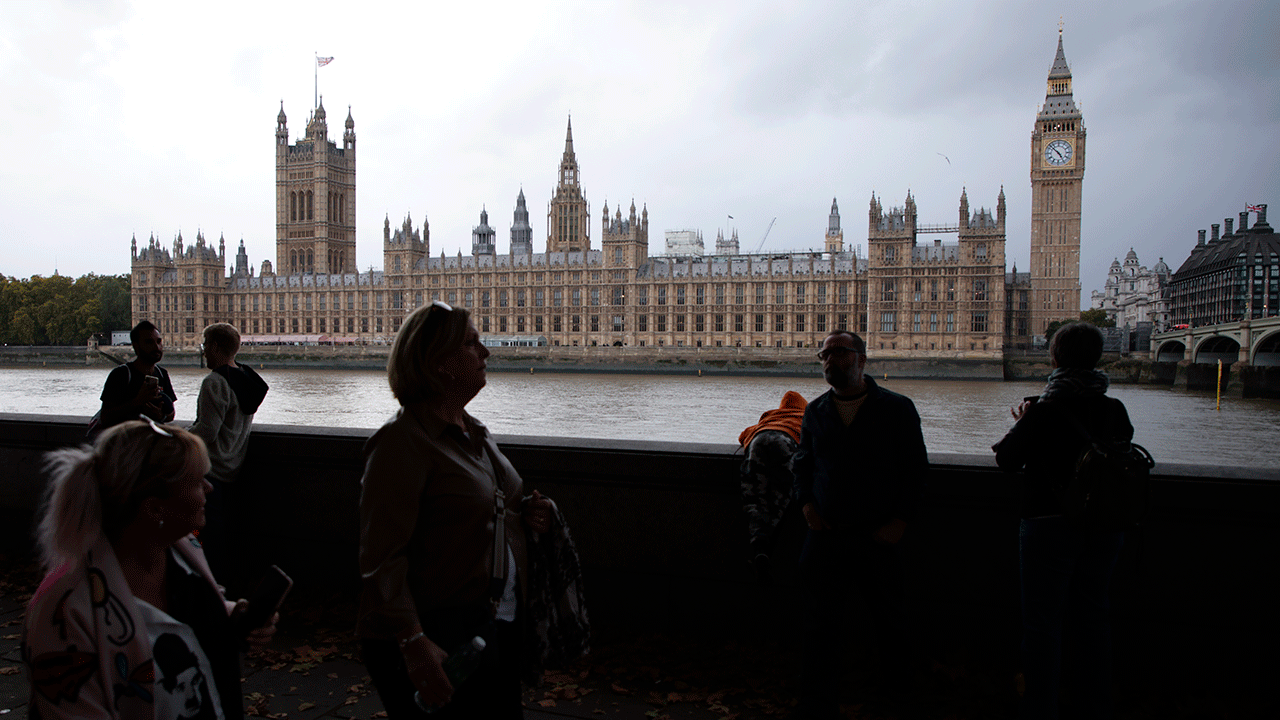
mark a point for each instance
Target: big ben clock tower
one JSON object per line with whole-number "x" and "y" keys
{"x": 1057, "y": 173}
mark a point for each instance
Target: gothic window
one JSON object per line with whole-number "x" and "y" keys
{"x": 662, "y": 322}
{"x": 642, "y": 323}
{"x": 759, "y": 293}
{"x": 887, "y": 290}
{"x": 595, "y": 296}
{"x": 979, "y": 289}
{"x": 843, "y": 293}
{"x": 915, "y": 323}
{"x": 311, "y": 205}
{"x": 680, "y": 297}
{"x": 980, "y": 252}
{"x": 917, "y": 290}
{"x": 820, "y": 322}
{"x": 800, "y": 292}
{"x": 699, "y": 322}
{"x": 680, "y": 322}
{"x": 719, "y": 323}
{"x": 617, "y": 296}
{"x": 822, "y": 293}
{"x": 739, "y": 294}
{"x": 539, "y": 297}
{"x": 502, "y": 298}
{"x": 700, "y": 297}
{"x": 759, "y": 322}
{"x": 576, "y": 297}
{"x": 520, "y": 297}
{"x": 799, "y": 322}
{"x": 311, "y": 261}
{"x": 780, "y": 293}
{"x": 933, "y": 322}
{"x": 888, "y": 322}
{"x": 779, "y": 322}
{"x": 738, "y": 322}
{"x": 662, "y": 294}
{"x": 642, "y": 295}
{"x": 979, "y": 322}
{"x": 293, "y": 206}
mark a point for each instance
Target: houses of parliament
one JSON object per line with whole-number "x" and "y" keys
{"x": 908, "y": 296}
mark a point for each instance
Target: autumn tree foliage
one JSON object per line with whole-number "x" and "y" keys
{"x": 57, "y": 310}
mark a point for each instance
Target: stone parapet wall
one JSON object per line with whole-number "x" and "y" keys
{"x": 662, "y": 536}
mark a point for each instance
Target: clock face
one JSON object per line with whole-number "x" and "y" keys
{"x": 1057, "y": 152}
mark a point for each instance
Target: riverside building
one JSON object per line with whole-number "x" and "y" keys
{"x": 908, "y": 296}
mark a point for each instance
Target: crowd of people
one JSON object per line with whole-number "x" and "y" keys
{"x": 139, "y": 528}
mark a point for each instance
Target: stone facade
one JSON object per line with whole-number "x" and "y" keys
{"x": 1133, "y": 294}
{"x": 1057, "y": 172}
{"x": 908, "y": 298}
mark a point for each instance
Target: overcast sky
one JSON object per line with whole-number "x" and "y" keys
{"x": 124, "y": 118}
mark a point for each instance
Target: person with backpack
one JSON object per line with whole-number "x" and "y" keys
{"x": 1067, "y": 560}
{"x": 140, "y": 387}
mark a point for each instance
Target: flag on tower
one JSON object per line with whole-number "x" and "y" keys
{"x": 1254, "y": 208}
{"x": 322, "y": 61}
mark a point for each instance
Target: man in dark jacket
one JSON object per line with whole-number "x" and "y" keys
{"x": 1066, "y": 568}
{"x": 858, "y": 474}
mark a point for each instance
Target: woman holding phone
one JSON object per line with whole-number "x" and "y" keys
{"x": 442, "y": 544}
{"x": 129, "y": 622}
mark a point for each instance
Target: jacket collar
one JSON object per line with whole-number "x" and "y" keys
{"x": 435, "y": 426}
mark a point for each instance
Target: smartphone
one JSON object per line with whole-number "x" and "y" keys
{"x": 265, "y": 601}
{"x": 151, "y": 381}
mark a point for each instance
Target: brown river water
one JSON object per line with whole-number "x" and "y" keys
{"x": 958, "y": 416}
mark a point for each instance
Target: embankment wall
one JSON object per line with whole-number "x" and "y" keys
{"x": 662, "y": 536}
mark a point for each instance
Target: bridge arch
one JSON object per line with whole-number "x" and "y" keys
{"x": 1267, "y": 350}
{"x": 1171, "y": 351}
{"x": 1217, "y": 347}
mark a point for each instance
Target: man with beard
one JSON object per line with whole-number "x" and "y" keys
{"x": 858, "y": 473}
{"x": 140, "y": 387}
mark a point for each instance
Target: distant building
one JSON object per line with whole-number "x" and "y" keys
{"x": 908, "y": 297}
{"x": 1133, "y": 294}
{"x": 687, "y": 242}
{"x": 1057, "y": 175}
{"x": 1229, "y": 277}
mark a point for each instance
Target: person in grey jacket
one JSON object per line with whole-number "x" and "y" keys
{"x": 858, "y": 474}
{"x": 229, "y": 396}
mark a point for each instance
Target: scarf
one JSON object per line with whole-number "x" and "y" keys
{"x": 1074, "y": 382}
{"x": 558, "y": 629}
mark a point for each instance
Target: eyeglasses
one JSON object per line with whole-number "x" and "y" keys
{"x": 828, "y": 352}
{"x": 159, "y": 433}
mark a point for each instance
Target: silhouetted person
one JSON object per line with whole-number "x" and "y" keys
{"x": 140, "y": 387}
{"x": 1066, "y": 567}
{"x": 858, "y": 473}
{"x": 229, "y": 396}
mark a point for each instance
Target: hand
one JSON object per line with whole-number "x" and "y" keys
{"x": 537, "y": 513}
{"x": 147, "y": 394}
{"x": 1020, "y": 410}
{"x": 257, "y": 637}
{"x": 425, "y": 661}
{"x": 814, "y": 520}
{"x": 889, "y": 533}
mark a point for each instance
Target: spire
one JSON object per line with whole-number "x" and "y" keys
{"x": 568, "y": 140}
{"x": 1060, "y": 68}
{"x": 1058, "y": 102}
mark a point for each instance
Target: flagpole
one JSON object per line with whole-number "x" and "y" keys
{"x": 316, "y": 69}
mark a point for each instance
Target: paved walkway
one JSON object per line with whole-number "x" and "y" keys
{"x": 312, "y": 670}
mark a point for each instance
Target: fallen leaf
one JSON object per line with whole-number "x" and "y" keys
{"x": 619, "y": 689}
{"x": 547, "y": 703}
{"x": 305, "y": 706}
{"x": 351, "y": 700}
{"x": 10, "y": 670}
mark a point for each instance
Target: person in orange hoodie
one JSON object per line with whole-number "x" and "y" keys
{"x": 766, "y": 473}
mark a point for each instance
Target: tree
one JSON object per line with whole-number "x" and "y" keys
{"x": 1098, "y": 317}
{"x": 59, "y": 311}
{"x": 1053, "y": 328}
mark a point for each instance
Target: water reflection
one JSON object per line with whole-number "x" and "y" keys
{"x": 960, "y": 417}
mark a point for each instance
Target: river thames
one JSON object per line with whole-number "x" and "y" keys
{"x": 958, "y": 416}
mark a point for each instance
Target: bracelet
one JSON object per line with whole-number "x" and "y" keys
{"x": 405, "y": 642}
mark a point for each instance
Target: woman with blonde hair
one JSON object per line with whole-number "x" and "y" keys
{"x": 443, "y": 556}
{"x": 129, "y": 622}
